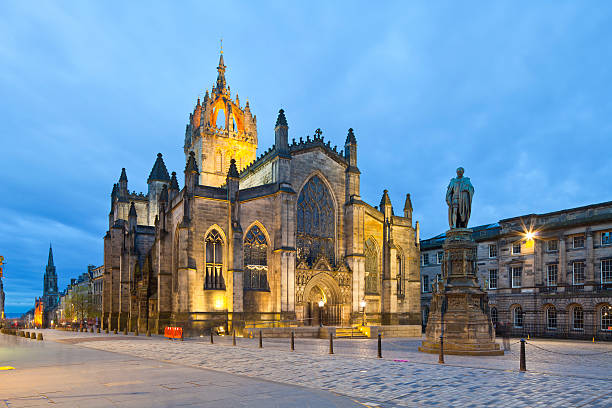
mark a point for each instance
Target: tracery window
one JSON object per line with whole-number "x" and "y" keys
{"x": 315, "y": 222}
{"x": 214, "y": 261}
{"x": 371, "y": 267}
{"x": 255, "y": 260}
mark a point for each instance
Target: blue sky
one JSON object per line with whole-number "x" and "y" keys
{"x": 516, "y": 92}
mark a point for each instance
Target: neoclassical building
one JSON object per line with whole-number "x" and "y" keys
{"x": 251, "y": 239}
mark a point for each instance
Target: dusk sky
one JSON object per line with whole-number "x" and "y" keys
{"x": 518, "y": 93}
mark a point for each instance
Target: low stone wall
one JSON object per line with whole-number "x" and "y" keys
{"x": 303, "y": 332}
{"x": 398, "y": 330}
{"x": 408, "y": 330}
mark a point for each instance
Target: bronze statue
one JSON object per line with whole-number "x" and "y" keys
{"x": 459, "y": 199}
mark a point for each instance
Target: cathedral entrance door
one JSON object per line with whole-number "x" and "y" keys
{"x": 323, "y": 290}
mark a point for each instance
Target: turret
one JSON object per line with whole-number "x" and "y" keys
{"x": 174, "y": 187}
{"x": 281, "y": 134}
{"x": 385, "y": 205}
{"x": 408, "y": 208}
{"x": 352, "y": 172}
{"x": 350, "y": 148}
{"x": 191, "y": 173}
{"x": 232, "y": 181}
{"x": 123, "y": 185}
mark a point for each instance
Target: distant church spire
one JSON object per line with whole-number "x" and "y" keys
{"x": 50, "y": 261}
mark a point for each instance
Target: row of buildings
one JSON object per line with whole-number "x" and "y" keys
{"x": 545, "y": 274}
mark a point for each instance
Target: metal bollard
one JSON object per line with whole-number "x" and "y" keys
{"x": 211, "y": 337}
{"x": 233, "y": 337}
{"x": 40, "y": 336}
{"x": 260, "y": 340}
{"x": 292, "y": 341}
{"x": 441, "y": 356}
{"x": 331, "y": 343}
{"x": 523, "y": 365}
{"x": 379, "y": 345}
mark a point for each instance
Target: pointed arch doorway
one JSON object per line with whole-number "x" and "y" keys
{"x": 323, "y": 288}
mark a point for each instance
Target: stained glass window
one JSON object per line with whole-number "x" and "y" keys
{"x": 315, "y": 222}
{"x": 214, "y": 261}
{"x": 255, "y": 260}
{"x": 371, "y": 267}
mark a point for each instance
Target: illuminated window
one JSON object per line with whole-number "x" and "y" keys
{"x": 517, "y": 273}
{"x": 577, "y": 318}
{"x": 552, "y": 245}
{"x": 255, "y": 260}
{"x": 371, "y": 267}
{"x": 492, "y": 250}
{"x": 551, "y": 274}
{"x": 551, "y": 318}
{"x": 492, "y": 278}
{"x": 578, "y": 273}
{"x": 606, "y": 238}
{"x": 494, "y": 317}
{"x": 606, "y": 271}
{"x": 605, "y": 318}
{"x": 516, "y": 248}
{"x": 579, "y": 241}
{"x": 214, "y": 261}
{"x": 315, "y": 222}
{"x": 517, "y": 317}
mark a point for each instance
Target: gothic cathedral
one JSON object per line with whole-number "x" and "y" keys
{"x": 250, "y": 239}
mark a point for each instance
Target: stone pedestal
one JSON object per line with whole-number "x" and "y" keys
{"x": 459, "y": 308}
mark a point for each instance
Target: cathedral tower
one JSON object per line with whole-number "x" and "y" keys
{"x": 220, "y": 130}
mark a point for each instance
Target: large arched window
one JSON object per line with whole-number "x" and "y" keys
{"x": 551, "y": 318}
{"x": 214, "y": 261}
{"x": 605, "y": 318}
{"x": 371, "y": 267}
{"x": 517, "y": 317}
{"x": 315, "y": 222}
{"x": 577, "y": 318}
{"x": 255, "y": 260}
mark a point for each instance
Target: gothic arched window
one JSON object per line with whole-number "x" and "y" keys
{"x": 371, "y": 267}
{"x": 315, "y": 222}
{"x": 255, "y": 260}
{"x": 400, "y": 277}
{"x": 214, "y": 261}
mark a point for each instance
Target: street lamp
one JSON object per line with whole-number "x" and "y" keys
{"x": 321, "y": 304}
{"x": 362, "y": 304}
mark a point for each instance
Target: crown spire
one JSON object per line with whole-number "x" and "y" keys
{"x": 221, "y": 83}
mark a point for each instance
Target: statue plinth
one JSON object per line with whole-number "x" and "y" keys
{"x": 459, "y": 309}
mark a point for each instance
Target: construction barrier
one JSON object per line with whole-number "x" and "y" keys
{"x": 173, "y": 332}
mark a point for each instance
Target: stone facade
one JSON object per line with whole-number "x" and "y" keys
{"x": 546, "y": 274}
{"x": 266, "y": 243}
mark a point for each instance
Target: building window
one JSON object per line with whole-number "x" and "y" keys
{"x": 440, "y": 257}
{"x": 255, "y": 260}
{"x": 425, "y": 315}
{"x": 425, "y": 287}
{"x": 400, "y": 276}
{"x": 605, "y": 318}
{"x": 315, "y": 222}
{"x": 578, "y": 273}
{"x": 577, "y": 318}
{"x": 371, "y": 267}
{"x": 551, "y": 318}
{"x": 551, "y": 275}
{"x": 606, "y": 271}
{"x": 492, "y": 278}
{"x": 517, "y": 317}
{"x": 516, "y": 248}
{"x": 214, "y": 261}
{"x": 606, "y": 238}
{"x": 492, "y": 250}
{"x": 579, "y": 241}
{"x": 494, "y": 318}
{"x": 517, "y": 272}
{"x": 424, "y": 259}
{"x": 552, "y": 245}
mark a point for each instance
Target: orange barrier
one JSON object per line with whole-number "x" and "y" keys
{"x": 173, "y": 332}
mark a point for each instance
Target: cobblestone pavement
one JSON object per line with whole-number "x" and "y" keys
{"x": 403, "y": 378}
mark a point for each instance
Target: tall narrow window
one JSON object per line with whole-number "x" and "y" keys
{"x": 425, "y": 288}
{"x": 606, "y": 271}
{"x": 605, "y": 318}
{"x": 440, "y": 257}
{"x": 315, "y": 222}
{"x": 255, "y": 260}
{"x": 494, "y": 317}
{"x": 551, "y": 318}
{"x": 517, "y": 273}
{"x": 400, "y": 276}
{"x": 371, "y": 267}
{"x": 578, "y": 273}
{"x": 577, "y": 318}
{"x": 214, "y": 261}
{"x": 492, "y": 278}
{"x": 517, "y": 315}
{"x": 424, "y": 259}
{"x": 492, "y": 250}
{"x": 551, "y": 275}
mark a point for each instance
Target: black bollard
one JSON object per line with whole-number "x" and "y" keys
{"x": 331, "y": 343}
{"x": 211, "y": 337}
{"x": 379, "y": 345}
{"x": 292, "y": 341}
{"x": 233, "y": 337}
{"x": 260, "y": 340}
{"x": 523, "y": 364}
{"x": 441, "y": 356}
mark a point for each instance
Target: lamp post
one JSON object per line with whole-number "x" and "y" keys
{"x": 321, "y": 304}
{"x": 362, "y": 304}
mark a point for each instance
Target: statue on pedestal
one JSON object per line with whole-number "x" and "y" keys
{"x": 459, "y": 195}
